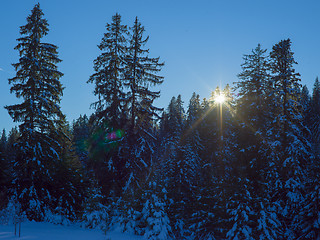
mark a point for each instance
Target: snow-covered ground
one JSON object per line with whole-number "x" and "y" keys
{"x": 47, "y": 231}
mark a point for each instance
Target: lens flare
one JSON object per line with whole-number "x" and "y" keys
{"x": 115, "y": 135}
{"x": 103, "y": 140}
{"x": 220, "y": 98}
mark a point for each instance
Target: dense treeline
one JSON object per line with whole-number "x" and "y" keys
{"x": 242, "y": 164}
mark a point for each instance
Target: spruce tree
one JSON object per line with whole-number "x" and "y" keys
{"x": 4, "y": 170}
{"x": 109, "y": 75}
{"x": 315, "y": 116}
{"x": 309, "y": 226}
{"x": 141, "y": 75}
{"x": 290, "y": 139}
{"x": 138, "y": 146}
{"x": 155, "y": 216}
{"x": 305, "y": 101}
{"x": 109, "y": 115}
{"x": 70, "y": 184}
{"x": 252, "y": 88}
{"x": 11, "y": 151}
{"x": 253, "y": 154}
{"x": 171, "y": 163}
{"x": 39, "y": 145}
{"x": 186, "y": 165}
{"x": 80, "y": 132}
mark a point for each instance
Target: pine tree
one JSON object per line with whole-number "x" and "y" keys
{"x": 39, "y": 145}
{"x": 109, "y": 75}
{"x": 174, "y": 122}
{"x": 290, "y": 136}
{"x": 138, "y": 146}
{"x": 239, "y": 208}
{"x": 209, "y": 218}
{"x": 171, "y": 163}
{"x": 252, "y": 156}
{"x": 81, "y": 132}
{"x": 232, "y": 190}
{"x": 70, "y": 184}
{"x": 309, "y": 226}
{"x": 155, "y": 215}
{"x": 315, "y": 116}
{"x": 305, "y": 101}
{"x": 185, "y": 166}
{"x": 11, "y": 151}
{"x": 209, "y": 131}
{"x": 252, "y": 88}
{"x": 141, "y": 75}
{"x": 109, "y": 115}
{"x": 4, "y": 170}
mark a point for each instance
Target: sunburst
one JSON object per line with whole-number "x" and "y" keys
{"x": 220, "y": 99}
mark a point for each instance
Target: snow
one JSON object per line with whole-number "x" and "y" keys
{"x": 48, "y": 231}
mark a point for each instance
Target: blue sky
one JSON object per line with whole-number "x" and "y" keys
{"x": 201, "y": 42}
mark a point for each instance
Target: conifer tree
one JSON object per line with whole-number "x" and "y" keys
{"x": 209, "y": 130}
{"x": 170, "y": 133}
{"x": 4, "y": 170}
{"x": 109, "y": 114}
{"x": 138, "y": 146}
{"x": 11, "y": 151}
{"x": 70, "y": 184}
{"x": 174, "y": 121}
{"x": 253, "y": 154}
{"x": 39, "y": 145}
{"x": 253, "y": 87}
{"x": 175, "y": 126}
{"x": 290, "y": 136}
{"x": 80, "y": 132}
{"x": 171, "y": 162}
{"x": 209, "y": 218}
{"x": 185, "y": 165}
{"x": 10, "y": 155}
{"x": 232, "y": 191}
{"x": 309, "y": 225}
{"x": 109, "y": 74}
{"x": 305, "y": 101}
{"x": 315, "y": 116}
{"x": 156, "y": 218}
{"x": 141, "y": 75}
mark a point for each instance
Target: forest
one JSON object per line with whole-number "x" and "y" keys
{"x": 242, "y": 163}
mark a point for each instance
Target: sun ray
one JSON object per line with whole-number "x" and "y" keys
{"x": 220, "y": 99}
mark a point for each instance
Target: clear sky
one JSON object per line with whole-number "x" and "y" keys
{"x": 201, "y": 42}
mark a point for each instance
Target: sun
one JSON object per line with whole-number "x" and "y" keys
{"x": 220, "y": 98}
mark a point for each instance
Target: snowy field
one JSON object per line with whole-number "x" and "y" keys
{"x": 47, "y": 231}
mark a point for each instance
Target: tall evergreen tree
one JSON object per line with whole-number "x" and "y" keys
{"x": 171, "y": 161}
{"x": 138, "y": 146}
{"x": 81, "y": 132}
{"x": 109, "y": 114}
{"x": 290, "y": 139}
{"x": 305, "y": 101}
{"x": 141, "y": 75}
{"x": 39, "y": 147}
{"x": 310, "y": 227}
{"x": 185, "y": 167}
{"x": 253, "y": 87}
{"x": 109, "y": 74}
{"x": 251, "y": 194}
{"x": 315, "y": 116}
{"x": 11, "y": 151}
{"x": 4, "y": 170}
